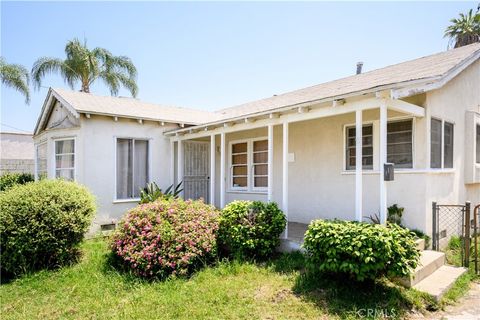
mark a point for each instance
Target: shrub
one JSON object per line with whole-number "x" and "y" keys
{"x": 42, "y": 223}
{"x": 360, "y": 250}
{"x": 8, "y": 180}
{"x": 251, "y": 228}
{"x": 153, "y": 192}
{"x": 166, "y": 237}
{"x": 394, "y": 214}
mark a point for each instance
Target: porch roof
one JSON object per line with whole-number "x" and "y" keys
{"x": 400, "y": 80}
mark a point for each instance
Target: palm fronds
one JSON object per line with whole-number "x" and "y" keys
{"x": 86, "y": 66}
{"x": 464, "y": 30}
{"x": 15, "y": 76}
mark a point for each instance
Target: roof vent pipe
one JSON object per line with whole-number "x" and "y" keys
{"x": 359, "y": 67}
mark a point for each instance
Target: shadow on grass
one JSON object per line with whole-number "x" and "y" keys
{"x": 340, "y": 295}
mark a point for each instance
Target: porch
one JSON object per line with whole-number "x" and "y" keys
{"x": 307, "y": 159}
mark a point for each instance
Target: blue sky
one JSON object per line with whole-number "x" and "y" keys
{"x": 210, "y": 55}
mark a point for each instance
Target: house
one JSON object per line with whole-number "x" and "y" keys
{"x": 16, "y": 152}
{"x": 300, "y": 149}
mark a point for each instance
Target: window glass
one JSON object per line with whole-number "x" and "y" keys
{"x": 478, "y": 143}
{"x": 367, "y": 150}
{"x": 399, "y": 143}
{"x": 448, "y": 145}
{"x": 239, "y": 165}
{"x": 41, "y": 161}
{"x": 435, "y": 144}
{"x": 65, "y": 159}
{"x": 260, "y": 164}
{"x": 132, "y": 167}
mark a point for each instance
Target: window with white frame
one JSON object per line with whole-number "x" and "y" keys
{"x": 367, "y": 149}
{"x": 249, "y": 165}
{"x": 132, "y": 167}
{"x": 441, "y": 144}
{"x": 41, "y": 161}
{"x": 65, "y": 159}
{"x": 478, "y": 144}
{"x": 400, "y": 143}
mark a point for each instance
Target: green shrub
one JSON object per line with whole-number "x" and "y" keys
{"x": 251, "y": 228}
{"x": 41, "y": 224}
{"x": 153, "y": 192}
{"x": 394, "y": 214}
{"x": 8, "y": 180}
{"x": 360, "y": 250}
{"x": 166, "y": 237}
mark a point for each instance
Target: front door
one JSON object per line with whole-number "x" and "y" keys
{"x": 196, "y": 170}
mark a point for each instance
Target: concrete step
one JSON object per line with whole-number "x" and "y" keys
{"x": 440, "y": 281}
{"x": 429, "y": 262}
{"x": 420, "y": 244}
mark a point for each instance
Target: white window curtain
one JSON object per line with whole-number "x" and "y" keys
{"x": 65, "y": 159}
{"x": 436, "y": 143}
{"x": 132, "y": 167}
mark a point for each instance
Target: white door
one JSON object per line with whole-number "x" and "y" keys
{"x": 196, "y": 170}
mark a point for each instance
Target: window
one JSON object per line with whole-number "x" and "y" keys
{"x": 436, "y": 143}
{"x": 249, "y": 165}
{"x": 41, "y": 159}
{"x": 367, "y": 150}
{"x": 441, "y": 144}
{"x": 65, "y": 159}
{"x": 478, "y": 144}
{"x": 132, "y": 167}
{"x": 448, "y": 145}
{"x": 400, "y": 144}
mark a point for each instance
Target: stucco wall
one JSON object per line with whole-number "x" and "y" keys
{"x": 95, "y": 157}
{"x": 16, "y": 152}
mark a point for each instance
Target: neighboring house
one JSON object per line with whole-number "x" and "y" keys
{"x": 299, "y": 149}
{"x": 16, "y": 152}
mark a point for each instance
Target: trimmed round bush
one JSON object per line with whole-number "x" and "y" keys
{"x": 167, "y": 237}
{"x": 42, "y": 223}
{"x": 360, "y": 250}
{"x": 8, "y": 180}
{"x": 251, "y": 229}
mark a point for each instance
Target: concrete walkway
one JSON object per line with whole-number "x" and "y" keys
{"x": 467, "y": 308}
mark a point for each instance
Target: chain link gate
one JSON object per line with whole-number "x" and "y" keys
{"x": 456, "y": 220}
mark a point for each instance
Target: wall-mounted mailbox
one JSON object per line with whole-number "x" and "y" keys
{"x": 388, "y": 174}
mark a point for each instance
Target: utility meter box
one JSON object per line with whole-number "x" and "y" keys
{"x": 388, "y": 174}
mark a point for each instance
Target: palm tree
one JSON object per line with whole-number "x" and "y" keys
{"x": 85, "y": 66}
{"x": 464, "y": 30}
{"x": 15, "y": 76}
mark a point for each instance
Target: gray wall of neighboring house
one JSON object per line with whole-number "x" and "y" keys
{"x": 16, "y": 153}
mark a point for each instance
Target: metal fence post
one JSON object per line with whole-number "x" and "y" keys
{"x": 434, "y": 226}
{"x": 467, "y": 234}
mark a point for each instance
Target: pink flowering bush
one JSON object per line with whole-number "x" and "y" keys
{"x": 166, "y": 237}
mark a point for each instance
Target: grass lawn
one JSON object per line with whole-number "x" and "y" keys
{"x": 276, "y": 289}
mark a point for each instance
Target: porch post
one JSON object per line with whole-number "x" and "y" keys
{"x": 358, "y": 165}
{"x": 222, "y": 170}
{"x": 270, "y": 163}
{"x": 285, "y": 175}
{"x": 180, "y": 165}
{"x": 172, "y": 162}
{"x": 212, "y": 169}
{"x": 383, "y": 160}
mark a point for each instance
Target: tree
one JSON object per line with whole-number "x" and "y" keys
{"x": 15, "y": 76}
{"x": 464, "y": 30}
{"x": 85, "y": 66}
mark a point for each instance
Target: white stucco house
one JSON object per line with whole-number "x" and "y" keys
{"x": 300, "y": 149}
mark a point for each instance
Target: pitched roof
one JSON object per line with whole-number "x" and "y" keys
{"x": 429, "y": 67}
{"x": 129, "y": 107}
